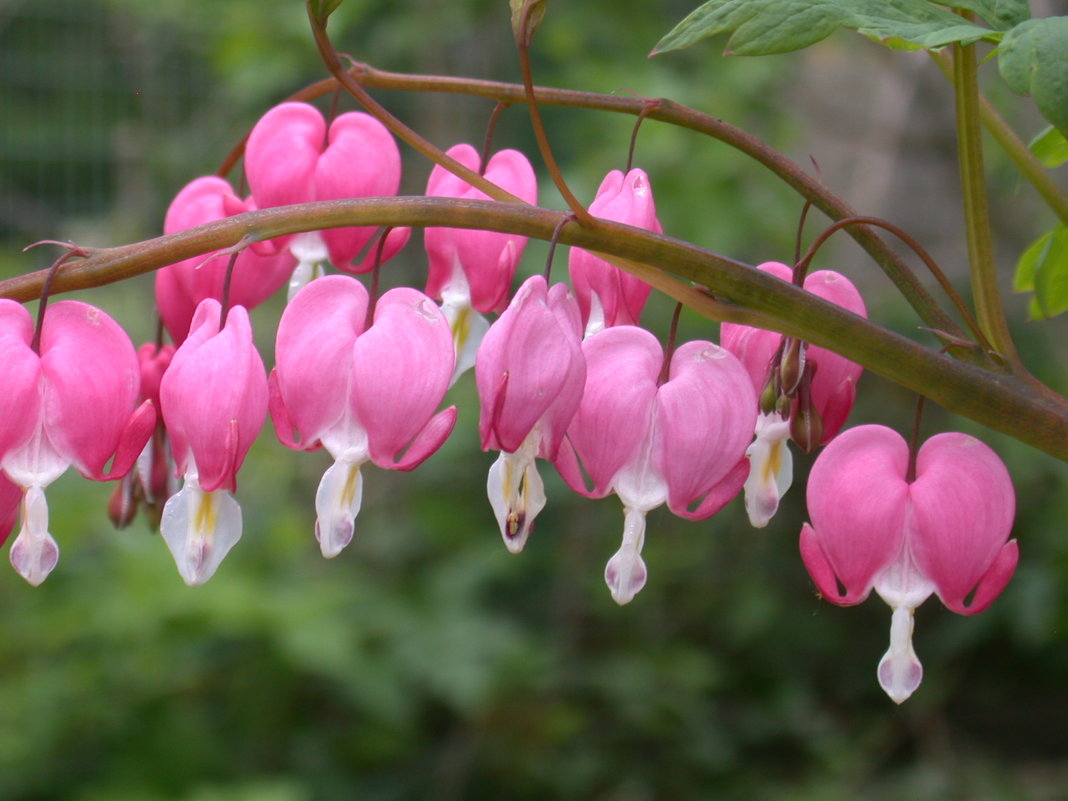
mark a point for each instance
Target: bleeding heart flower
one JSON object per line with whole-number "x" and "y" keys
{"x": 291, "y": 157}
{"x": 530, "y": 374}
{"x": 471, "y": 271}
{"x": 943, "y": 530}
{"x": 364, "y": 390}
{"x": 829, "y": 391}
{"x": 607, "y": 295}
{"x": 649, "y": 438}
{"x": 214, "y": 399}
{"x": 71, "y": 402}
{"x": 181, "y": 286}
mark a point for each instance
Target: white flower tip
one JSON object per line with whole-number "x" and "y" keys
{"x": 900, "y": 676}
{"x": 625, "y": 575}
{"x": 334, "y": 536}
{"x": 337, "y": 503}
{"x": 200, "y": 528}
{"x": 34, "y": 557}
{"x": 515, "y": 530}
{"x": 516, "y": 493}
{"x": 900, "y": 672}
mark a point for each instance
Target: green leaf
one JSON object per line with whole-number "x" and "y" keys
{"x": 537, "y": 13}
{"x": 1050, "y": 147}
{"x": 321, "y": 9}
{"x": 1043, "y": 269}
{"x": 999, "y": 14}
{"x": 1033, "y": 60}
{"x": 760, "y": 27}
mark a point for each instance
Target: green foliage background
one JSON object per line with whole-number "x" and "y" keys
{"x": 426, "y": 662}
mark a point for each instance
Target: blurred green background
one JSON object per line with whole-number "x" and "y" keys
{"x": 426, "y": 661}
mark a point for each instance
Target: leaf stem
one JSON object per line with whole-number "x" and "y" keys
{"x": 1015, "y": 148}
{"x": 985, "y": 292}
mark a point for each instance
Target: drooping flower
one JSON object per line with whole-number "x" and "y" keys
{"x": 681, "y": 440}
{"x": 364, "y": 390}
{"x": 471, "y": 271}
{"x": 71, "y": 402}
{"x": 825, "y": 398}
{"x": 214, "y": 399}
{"x": 530, "y": 373}
{"x": 292, "y": 157}
{"x": 607, "y": 295}
{"x": 181, "y": 286}
{"x": 944, "y": 530}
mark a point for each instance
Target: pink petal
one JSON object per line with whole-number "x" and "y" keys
{"x": 91, "y": 381}
{"x": 707, "y": 413}
{"x": 963, "y": 507}
{"x": 401, "y": 368}
{"x": 544, "y": 367}
{"x": 626, "y": 199}
{"x": 488, "y": 258}
{"x": 20, "y": 400}
{"x": 214, "y": 396}
{"x": 281, "y": 155}
{"x": 857, "y": 499}
{"x": 313, "y": 352}
{"x": 361, "y": 160}
{"x": 616, "y": 412}
{"x": 10, "y": 499}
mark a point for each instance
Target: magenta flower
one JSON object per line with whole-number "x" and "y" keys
{"x": 291, "y": 157}
{"x": 945, "y": 531}
{"x": 831, "y": 391}
{"x": 607, "y": 295}
{"x": 364, "y": 390}
{"x": 681, "y": 441}
{"x": 530, "y": 373}
{"x": 471, "y": 271}
{"x": 214, "y": 399}
{"x": 73, "y": 403}
{"x": 181, "y": 286}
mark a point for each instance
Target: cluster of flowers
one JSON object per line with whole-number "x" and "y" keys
{"x": 565, "y": 375}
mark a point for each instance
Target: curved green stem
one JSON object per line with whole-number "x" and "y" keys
{"x": 985, "y": 291}
{"x": 735, "y": 292}
{"x": 1015, "y": 148}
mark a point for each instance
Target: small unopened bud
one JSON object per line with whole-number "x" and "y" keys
{"x": 122, "y": 506}
{"x": 783, "y": 405}
{"x": 792, "y": 366}
{"x": 769, "y": 396}
{"x": 806, "y": 428}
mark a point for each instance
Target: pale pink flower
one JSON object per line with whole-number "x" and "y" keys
{"x": 293, "y": 157}
{"x": 530, "y": 373}
{"x": 214, "y": 399}
{"x": 607, "y": 295}
{"x": 470, "y": 270}
{"x": 681, "y": 441}
{"x": 73, "y": 403}
{"x": 364, "y": 390}
{"x": 945, "y": 531}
